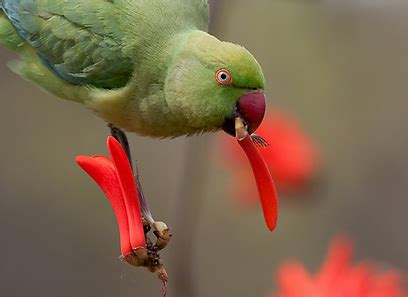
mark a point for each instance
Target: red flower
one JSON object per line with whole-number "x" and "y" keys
{"x": 291, "y": 156}
{"x": 114, "y": 176}
{"x": 266, "y": 187}
{"x": 338, "y": 277}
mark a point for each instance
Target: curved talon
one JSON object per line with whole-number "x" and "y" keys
{"x": 163, "y": 234}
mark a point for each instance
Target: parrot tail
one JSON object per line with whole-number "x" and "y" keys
{"x": 31, "y": 68}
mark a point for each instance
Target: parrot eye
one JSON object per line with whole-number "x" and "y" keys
{"x": 223, "y": 77}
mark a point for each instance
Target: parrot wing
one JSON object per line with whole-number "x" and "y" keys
{"x": 78, "y": 40}
{"x": 81, "y": 41}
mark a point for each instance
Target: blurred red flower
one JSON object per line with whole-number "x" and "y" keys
{"x": 338, "y": 277}
{"x": 292, "y": 157}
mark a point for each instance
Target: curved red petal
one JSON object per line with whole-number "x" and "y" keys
{"x": 127, "y": 181}
{"x": 266, "y": 187}
{"x": 103, "y": 172}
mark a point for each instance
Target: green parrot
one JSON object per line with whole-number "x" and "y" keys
{"x": 147, "y": 66}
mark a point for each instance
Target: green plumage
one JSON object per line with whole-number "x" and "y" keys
{"x": 147, "y": 66}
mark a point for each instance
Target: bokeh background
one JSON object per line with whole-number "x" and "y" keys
{"x": 339, "y": 66}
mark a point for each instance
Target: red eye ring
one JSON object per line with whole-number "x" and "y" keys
{"x": 223, "y": 77}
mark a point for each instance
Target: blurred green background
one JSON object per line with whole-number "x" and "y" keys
{"x": 340, "y": 66}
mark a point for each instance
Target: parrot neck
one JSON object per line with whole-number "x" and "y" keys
{"x": 152, "y": 69}
{"x": 147, "y": 91}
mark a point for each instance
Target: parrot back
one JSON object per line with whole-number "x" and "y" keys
{"x": 92, "y": 42}
{"x": 75, "y": 40}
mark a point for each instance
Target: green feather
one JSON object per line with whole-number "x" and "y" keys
{"x": 147, "y": 66}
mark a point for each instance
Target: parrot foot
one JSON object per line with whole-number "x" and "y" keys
{"x": 160, "y": 230}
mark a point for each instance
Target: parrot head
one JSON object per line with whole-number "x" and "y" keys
{"x": 216, "y": 85}
{"x": 212, "y": 83}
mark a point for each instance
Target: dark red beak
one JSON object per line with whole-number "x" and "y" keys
{"x": 251, "y": 109}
